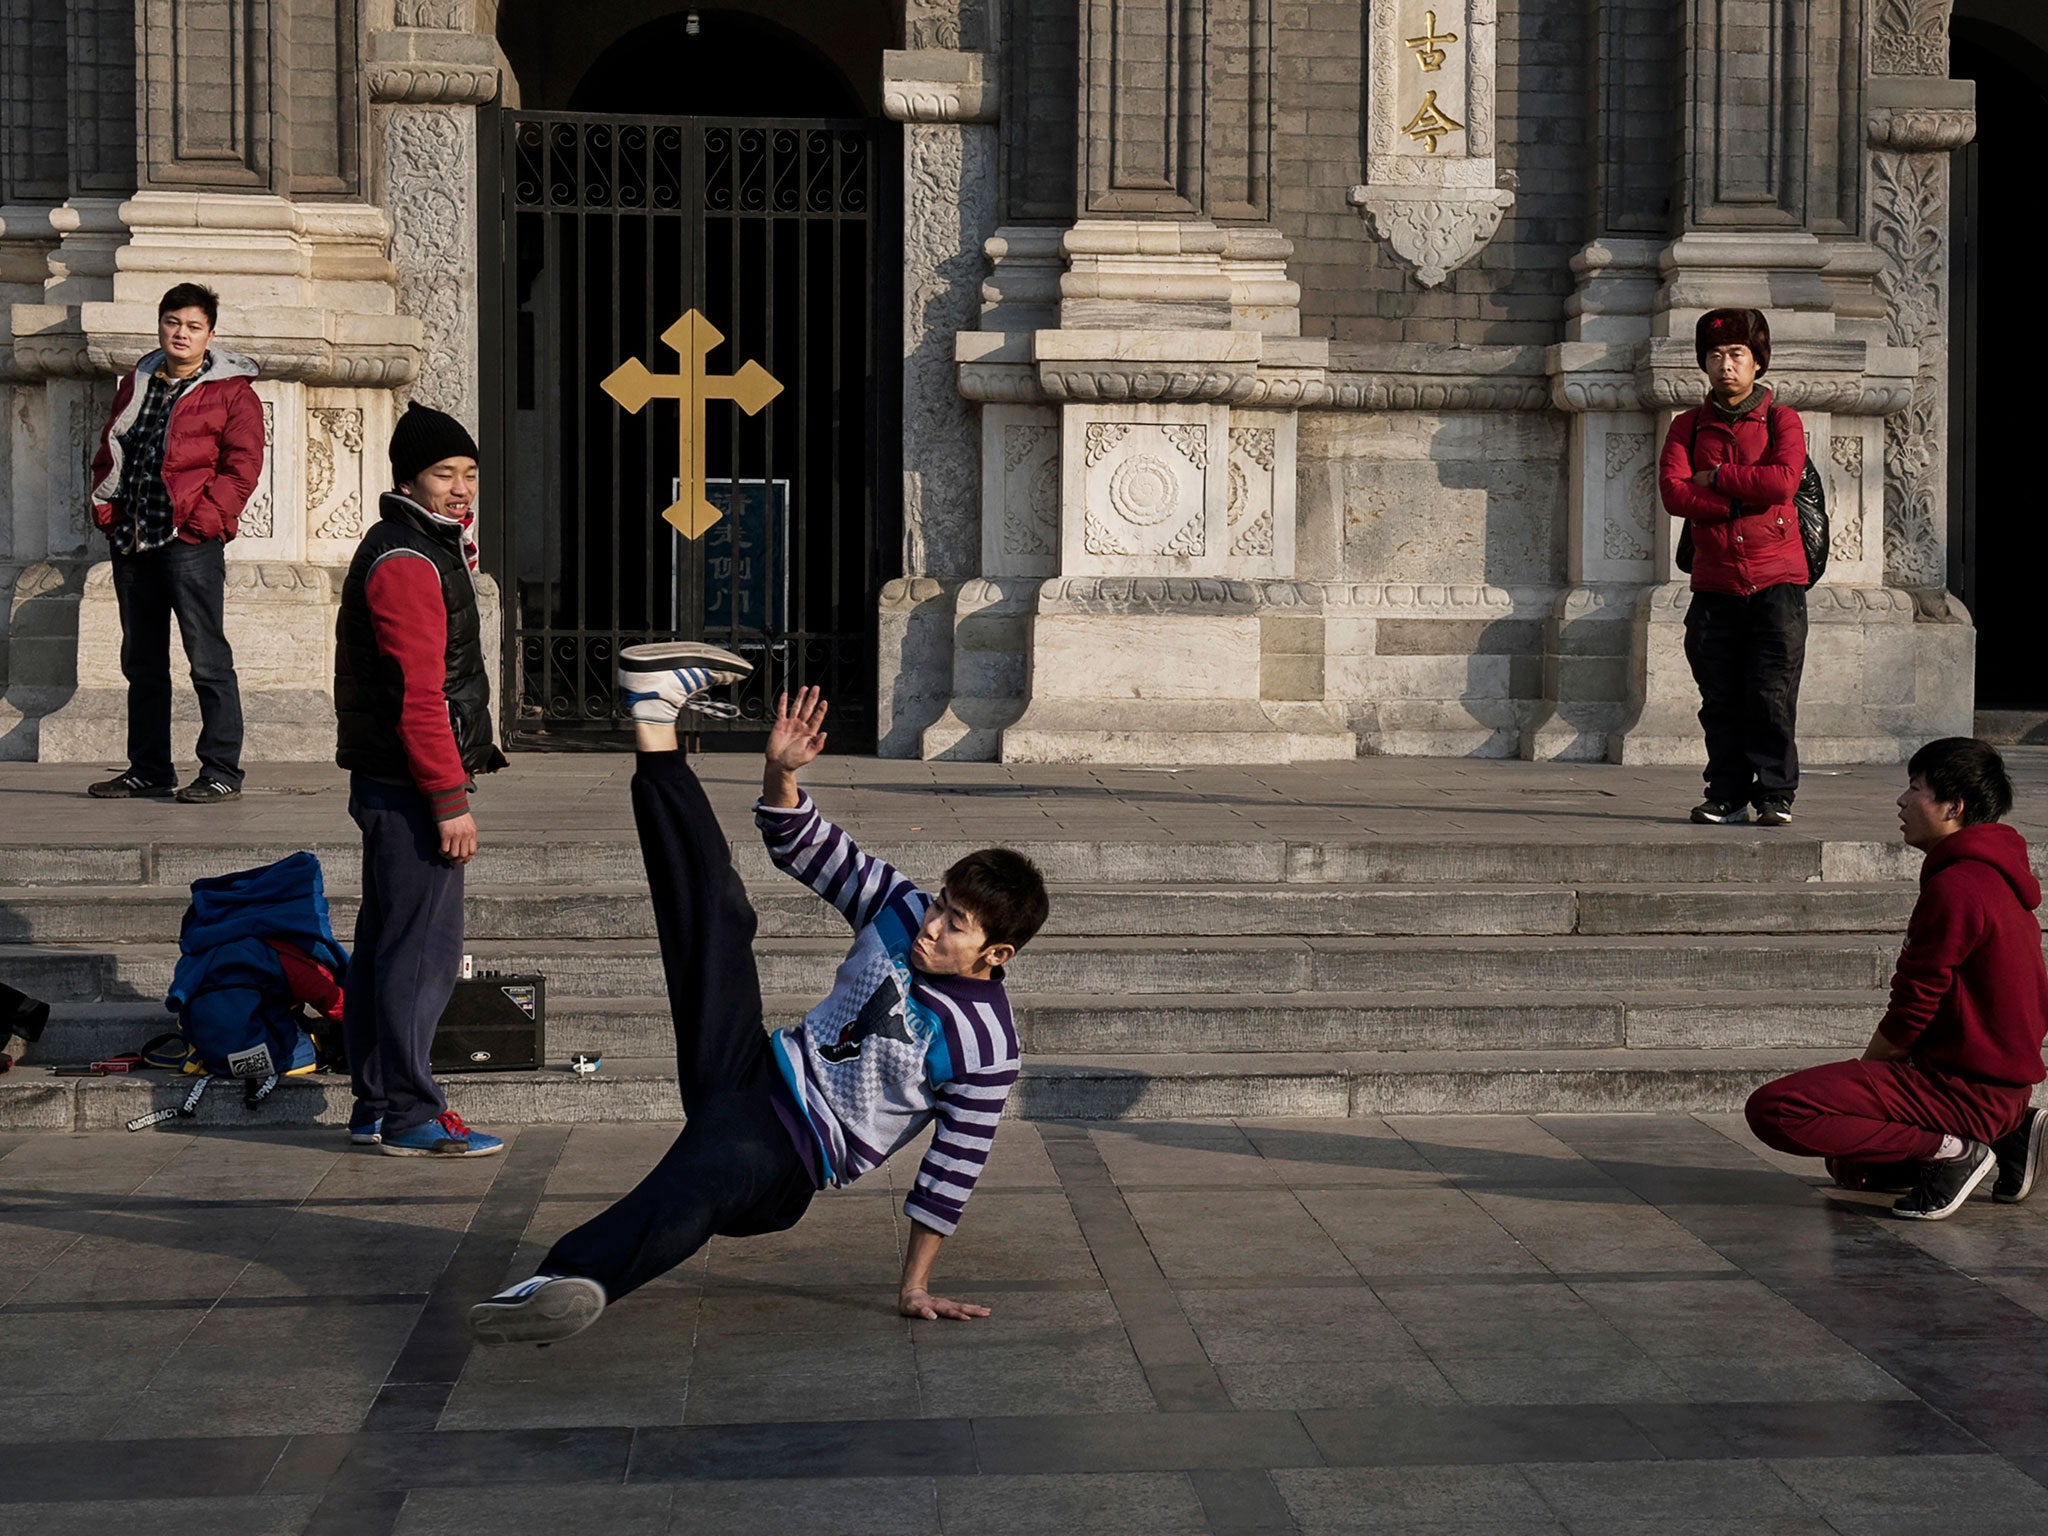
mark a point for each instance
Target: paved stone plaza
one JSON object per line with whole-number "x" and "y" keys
{"x": 1420, "y": 1323}
{"x": 1469, "y": 1325}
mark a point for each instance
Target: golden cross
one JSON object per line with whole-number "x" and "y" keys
{"x": 1430, "y": 123}
{"x": 1427, "y": 54}
{"x": 633, "y": 384}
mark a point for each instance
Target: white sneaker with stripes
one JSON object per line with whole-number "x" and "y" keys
{"x": 658, "y": 681}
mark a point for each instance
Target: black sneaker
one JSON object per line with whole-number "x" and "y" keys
{"x": 207, "y": 790}
{"x": 1774, "y": 811}
{"x": 1944, "y": 1186}
{"x": 1719, "y": 813}
{"x": 129, "y": 786}
{"x": 2019, "y": 1157}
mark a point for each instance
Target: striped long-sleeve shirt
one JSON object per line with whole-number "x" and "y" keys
{"x": 892, "y": 1049}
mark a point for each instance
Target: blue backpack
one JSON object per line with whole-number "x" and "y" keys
{"x": 257, "y": 948}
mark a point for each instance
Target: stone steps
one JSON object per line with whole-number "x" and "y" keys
{"x": 1695, "y": 856}
{"x": 1265, "y": 977}
{"x": 1106, "y": 1087}
{"x": 1259, "y": 966}
{"x": 151, "y": 914}
{"x": 1166, "y": 1024}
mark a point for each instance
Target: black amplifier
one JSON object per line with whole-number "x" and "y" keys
{"x": 493, "y": 1024}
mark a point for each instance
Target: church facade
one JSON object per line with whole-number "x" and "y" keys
{"x": 1155, "y": 380}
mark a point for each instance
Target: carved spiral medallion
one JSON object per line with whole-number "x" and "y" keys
{"x": 1143, "y": 491}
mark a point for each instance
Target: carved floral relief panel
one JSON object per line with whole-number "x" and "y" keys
{"x": 343, "y": 470}
{"x": 1629, "y": 504}
{"x": 1020, "y": 460}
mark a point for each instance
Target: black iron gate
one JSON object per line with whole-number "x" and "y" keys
{"x": 610, "y": 230}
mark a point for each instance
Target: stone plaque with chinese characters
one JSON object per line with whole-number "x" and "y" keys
{"x": 1431, "y": 100}
{"x": 1431, "y": 186}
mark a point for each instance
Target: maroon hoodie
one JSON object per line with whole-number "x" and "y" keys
{"x": 1970, "y": 994}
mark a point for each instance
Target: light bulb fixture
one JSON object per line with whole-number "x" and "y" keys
{"x": 691, "y": 25}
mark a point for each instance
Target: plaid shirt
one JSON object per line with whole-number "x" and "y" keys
{"x": 144, "y": 504}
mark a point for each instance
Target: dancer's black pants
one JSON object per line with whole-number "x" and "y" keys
{"x": 734, "y": 1171}
{"x": 1747, "y": 654}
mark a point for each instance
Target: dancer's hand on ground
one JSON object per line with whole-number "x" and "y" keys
{"x": 458, "y": 839}
{"x": 925, "y": 1305}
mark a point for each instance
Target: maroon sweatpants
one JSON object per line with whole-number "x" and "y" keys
{"x": 1879, "y": 1111}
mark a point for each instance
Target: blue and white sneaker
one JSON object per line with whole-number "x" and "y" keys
{"x": 443, "y": 1136}
{"x": 538, "y": 1311}
{"x": 365, "y": 1127}
{"x": 658, "y": 681}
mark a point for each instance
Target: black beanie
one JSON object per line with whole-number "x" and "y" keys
{"x": 1734, "y": 328}
{"x": 425, "y": 437}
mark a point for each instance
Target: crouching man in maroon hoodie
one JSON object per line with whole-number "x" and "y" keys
{"x": 1940, "y": 1098}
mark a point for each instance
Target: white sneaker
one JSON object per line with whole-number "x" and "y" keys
{"x": 657, "y": 681}
{"x": 538, "y": 1311}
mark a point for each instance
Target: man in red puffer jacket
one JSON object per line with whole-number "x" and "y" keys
{"x": 178, "y": 460}
{"x": 1941, "y": 1097}
{"x": 1730, "y": 468}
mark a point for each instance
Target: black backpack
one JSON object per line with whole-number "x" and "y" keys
{"x": 1810, "y": 501}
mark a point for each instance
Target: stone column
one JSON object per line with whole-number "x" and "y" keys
{"x": 1171, "y": 627}
{"x": 1768, "y": 188}
{"x": 247, "y": 175}
{"x": 946, "y": 100}
{"x": 67, "y": 117}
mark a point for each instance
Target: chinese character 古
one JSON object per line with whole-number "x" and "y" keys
{"x": 1427, "y": 54}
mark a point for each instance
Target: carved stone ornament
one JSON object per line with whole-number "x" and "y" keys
{"x": 419, "y": 82}
{"x": 1921, "y": 129}
{"x": 1431, "y": 187}
{"x": 1909, "y": 37}
{"x": 937, "y": 85}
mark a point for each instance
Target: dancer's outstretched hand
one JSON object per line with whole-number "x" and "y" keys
{"x": 798, "y": 735}
{"x": 925, "y": 1305}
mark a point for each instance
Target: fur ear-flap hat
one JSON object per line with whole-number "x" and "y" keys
{"x": 1734, "y": 327}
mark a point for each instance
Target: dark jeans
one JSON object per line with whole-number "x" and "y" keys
{"x": 1747, "y": 654}
{"x": 734, "y": 1171}
{"x": 189, "y": 580}
{"x": 407, "y": 954}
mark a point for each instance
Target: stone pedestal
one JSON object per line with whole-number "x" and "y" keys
{"x": 1176, "y": 670}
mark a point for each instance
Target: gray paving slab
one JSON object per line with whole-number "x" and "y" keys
{"x": 1426, "y": 1324}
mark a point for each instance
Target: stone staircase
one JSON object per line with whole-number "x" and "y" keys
{"x": 1280, "y": 977}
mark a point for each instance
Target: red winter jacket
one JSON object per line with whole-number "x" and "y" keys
{"x": 213, "y": 452}
{"x": 1970, "y": 994}
{"x": 1745, "y": 530}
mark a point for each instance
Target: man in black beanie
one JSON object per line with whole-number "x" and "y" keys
{"x": 413, "y": 701}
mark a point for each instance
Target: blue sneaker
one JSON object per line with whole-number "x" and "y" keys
{"x": 657, "y": 681}
{"x": 365, "y": 1127}
{"x": 538, "y": 1311}
{"x": 443, "y": 1136}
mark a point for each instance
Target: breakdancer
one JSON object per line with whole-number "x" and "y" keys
{"x": 917, "y": 1028}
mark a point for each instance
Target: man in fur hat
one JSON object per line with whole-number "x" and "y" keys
{"x": 1730, "y": 468}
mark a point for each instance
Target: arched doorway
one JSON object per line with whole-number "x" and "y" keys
{"x": 617, "y": 214}
{"x": 1998, "y": 541}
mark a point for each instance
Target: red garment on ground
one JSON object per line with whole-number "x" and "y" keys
{"x": 1745, "y": 530}
{"x": 213, "y": 457}
{"x": 1879, "y": 1111}
{"x": 1970, "y": 992}
{"x": 410, "y": 618}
